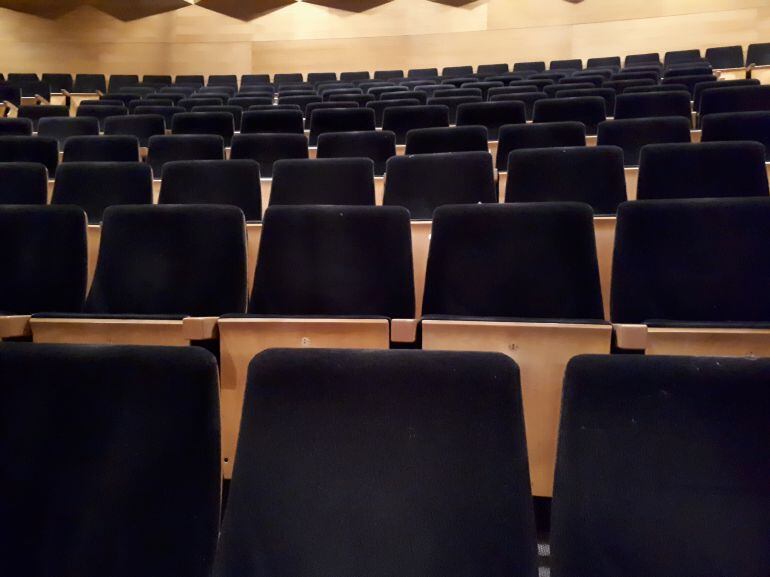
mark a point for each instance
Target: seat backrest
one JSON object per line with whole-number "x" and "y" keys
{"x": 633, "y": 134}
{"x": 491, "y": 115}
{"x": 338, "y": 181}
{"x": 334, "y": 260}
{"x": 758, "y": 54}
{"x": 254, "y": 79}
{"x": 490, "y": 69}
{"x": 596, "y": 80}
{"x": 244, "y": 102}
{"x": 447, "y": 92}
{"x": 359, "y": 410}
{"x": 452, "y": 103}
{"x": 36, "y": 112}
{"x": 272, "y": 121}
{"x": 653, "y": 104}
{"x": 451, "y": 139}
{"x": 703, "y": 170}
{"x": 162, "y": 149}
{"x": 604, "y": 62}
{"x": 633, "y": 74}
{"x": 10, "y": 93}
{"x": 638, "y": 59}
{"x": 608, "y": 94}
{"x": 590, "y": 174}
{"x": 193, "y": 261}
{"x": 340, "y": 120}
{"x": 377, "y": 145}
{"x": 232, "y": 182}
{"x": 553, "y": 89}
{"x": 94, "y": 186}
{"x": 101, "y": 113}
{"x": 681, "y": 57}
{"x": 159, "y": 79}
{"x": 223, "y": 80}
{"x": 85, "y": 83}
{"x": 529, "y": 261}
{"x": 119, "y": 148}
{"x": 643, "y": 444}
{"x": 690, "y": 80}
{"x": 196, "y": 80}
{"x": 217, "y": 123}
{"x": 316, "y": 77}
{"x": 355, "y": 75}
{"x": 235, "y": 111}
{"x": 38, "y": 149}
{"x": 119, "y": 81}
{"x": 140, "y": 126}
{"x": 457, "y": 71}
{"x": 15, "y": 127}
{"x": 301, "y": 100}
{"x": 590, "y": 110}
{"x": 90, "y": 430}
{"x": 726, "y": 57}
{"x": 379, "y": 106}
{"x": 402, "y": 119}
{"x": 620, "y": 86}
{"x": 58, "y": 82}
{"x": 667, "y": 251}
{"x": 288, "y": 78}
{"x": 419, "y": 95}
{"x": 572, "y": 64}
{"x": 266, "y": 148}
{"x": 61, "y": 129}
{"x": 548, "y": 134}
{"x": 423, "y": 182}
{"x": 527, "y": 98}
{"x": 700, "y": 87}
{"x": 533, "y": 66}
{"x": 43, "y": 255}
{"x": 189, "y": 103}
{"x": 167, "y": 112}
{"x": 23, "y": 183}
{"x": 731, "y": 126}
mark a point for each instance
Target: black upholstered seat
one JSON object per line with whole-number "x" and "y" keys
{"x": 35, "y": 112}
{"x": 529, "y": 66}
{"x": 528, "y": 98}
{"x": 590, "y": 174}
{"x": 453, "y": 103}
{"x": 700, "y": 87}
{"x": 690, "y": 81}
{"x": 267, "y": 148}
{"x": 340, "y": 120}
{"x": 735, "y": 99}
{"x": 235, "y": 111}
{"x": 119, "y": 81}
{"x": 272, "y": 121}
{"x": 633, "y": 134}
{"x": 731, "y": 126}
{"x": 491, "y": 115}
{"x": 202, "y": 100}
{"x": 451, "y": 139}
{"x": 726, "y": 57}
{"x": 518, "y": 136}
{"x": 140, "y": 126}
{"x": 642, "y": 59}
{"x": 101, "y": 113}
{"x": 377, "y": 145}
{"x": 608, "y": 94}
{"x": 162, "y": 149}
{"x": 653, "y": 104}
{"x": 38, "y": 149}
{"x": 94, "y": 186}
{"x": 23, "y": 183}
{"x": 212, "y": 123}
{"x": 15, "y": 127}
{"x": 423, "y": 182}
{"x": 705, "y": 170}
{"x": 338, "y": 510}
{"x": 379, "y": 106}
{"x": 167, "y": 112}
{"x": 88, "y": 83}
{"x": 232, "y": 182}
{"x": 662, "y": 466}
{"x": 338, "y": 181}
{"x": 620, "y": 86}
{"x": 590, "y": 110}
{"x": 603, "y": 62}
{"x": 120, "y": 148}
{"x": 401, "y": 120}
{"x": 758, "y": 54}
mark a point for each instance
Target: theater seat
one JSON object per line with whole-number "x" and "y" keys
{"x": 37, "y": 149}
{"x": 661, "y": 468}
{"x": 590, "y": 110}
{"x": 377, "y": 145}
{"x": 272, "y": 121}
{"x": 735, "y": 99}
{"x": 167, "y": 112}
{"x": 521, "y": 279}
{"x": 35, "y": 113}
{"x": 90, "y": 431}
{"x": 327, "y": 276}
{"x": 338, "y": 181}
{"x": 706, "y": 170}
{"x": 43, "y": 256}
{"x": 716, "y": 302}
{"x": 653, "y": 105}
{"x": 491, "y": 115}
{"x": 732, "y": 126}
{"x": 23, "y": 183}
{"x": 335, "y": 506}
{"x": 101, "y": 113}
{"x": 198, "y": 123}
{"x": 452, "y": 139}
{"x": 15, "y": 127}
{"x": 164, "y": 274}
{"x": 140, "y": 126}
{"x": 162, "y": 149}
{"x": 379, "y": 106}
{"x": 101, "y": 149}
{"x": 340, "y": 120}
{"x": 401, "y": 120}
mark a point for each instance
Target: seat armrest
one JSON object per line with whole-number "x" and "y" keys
{"x": 200, "y": 328}
{"x": 630, "y": 337}
{"x": 40, "y": 100}
{"x": 403, "y": 330}
{"x": 10, "y": 106}
{"x": 14, "y": 326}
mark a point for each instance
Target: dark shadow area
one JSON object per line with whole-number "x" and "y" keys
{"x": 244, "y": 9}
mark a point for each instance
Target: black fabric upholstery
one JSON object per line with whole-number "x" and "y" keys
{"x": 604, "y": 73}
{"x": 267, "y": 148}
{"x": 170, "y": 147}
{"x": 327, "y": 94}
{"x": 58, "y": 82}
{"x": 187, "y": 260}
{"x": 419, "y": 95}
{"x": 101, "y": 149}
{"x": 604, "y": 62}
{"x": 620, "y": 86}
{"x": 360, "y": 99}
{"x": 422, "y": 73}
{"x": 691, "y": 81}
{"x": 379, "y": 106}
{"x": 726, "y": 57}
{"x": 411, "y": 463}
{"x": 401, "y": 120}
{"x": 63, "y": 128}
{"x": 43, "y": 258}
{"x": 692, "y": 260}
{"x": 338, "y": 181}
{"x": 101, "y": 113}
{"x": 681, "y": 57}
{"x": 93, "y": 186}
{"x": 216, "y": 123}
{"x": 90, "y": 430}
{"x": 244, "y": 102}
{"x": 120, "y": 81}
{"x": 701, "y": 86}
{"x": 637, "y": 59}
{"x": 452, "y": 103}
{"x": 606, "y": 93}
{"x": 39, "y": 149}
{"x": 288, "y": 78}
{"x": 758, "y": 54}
{"x": 423, "y": 182}
{"x": 23, "y": 183}
{"x": 429, "y": 89}
{"x": 732, "y": 126}
{"x": 219, "y": 91}
{"x": 235, "y": 111}
{"x": 276, "y": 107}
{"x": 10, "y": 93}
{"x": 518, "y": 136}
{"x": 457, "y": 71}
{"x": 735, "y": 99}
{"x": 633, "y": 134}
{"x": 511, "y": 90}
{"x": 35, "y": 113}
{"x": 335, "y": 260}
{"x": 140, "y": 126}
{"x": 590, "y": 174}
{"x": 597, "y": 80}
{"x": 272, "y": 121}
{"x": 451, "y": 139}
{"x": 233, "y": 182}
{"x": 352, "y": 76}
{"x": 15, "y": 127}
{"x": 492, "y": 115}
{"x": 167, "y": 112}
{"x": 633, "y": 74}
{"x": 573, "y": 64}
{"x": 528, "y": 98}
{"x": 656, "y": 88}
{"x": 377, "y": 145}
{"x": 313, "y": 106}
{"x": 705, "y": 170}
{"x": 534, "y": 261}
{"x": 223, "y": 80}
{"x": 653, "y": 104}
{"x": 553, "y": 89}
{"x": 590, "y": 110}
{"x": 702, "y": 69}
{"x": 662, "y": 468}
{"x": 484, "y": 70}
{"x": 378, "y": 91}
{"x": 483, "y": 86}
{"x": 158, "y": 79}
{"x": 190, "y": 79}
{"x": 85, "y": 83}
{"x": 189, "y": 103}
{"x": 534, "y": 66}
{"x": 340, "y": 120}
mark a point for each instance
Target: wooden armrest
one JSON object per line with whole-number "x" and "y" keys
{"x": 10, "y": 105}
{"x": 99, "y": 93}
{"x": 66, "y": 93}
{"x": 40, "y": 100}
{"x": 403, "y": 330}
{"x": 630, "y": 337}
{"x": 14, "y": 326}
{"x": 200, "y": 328}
